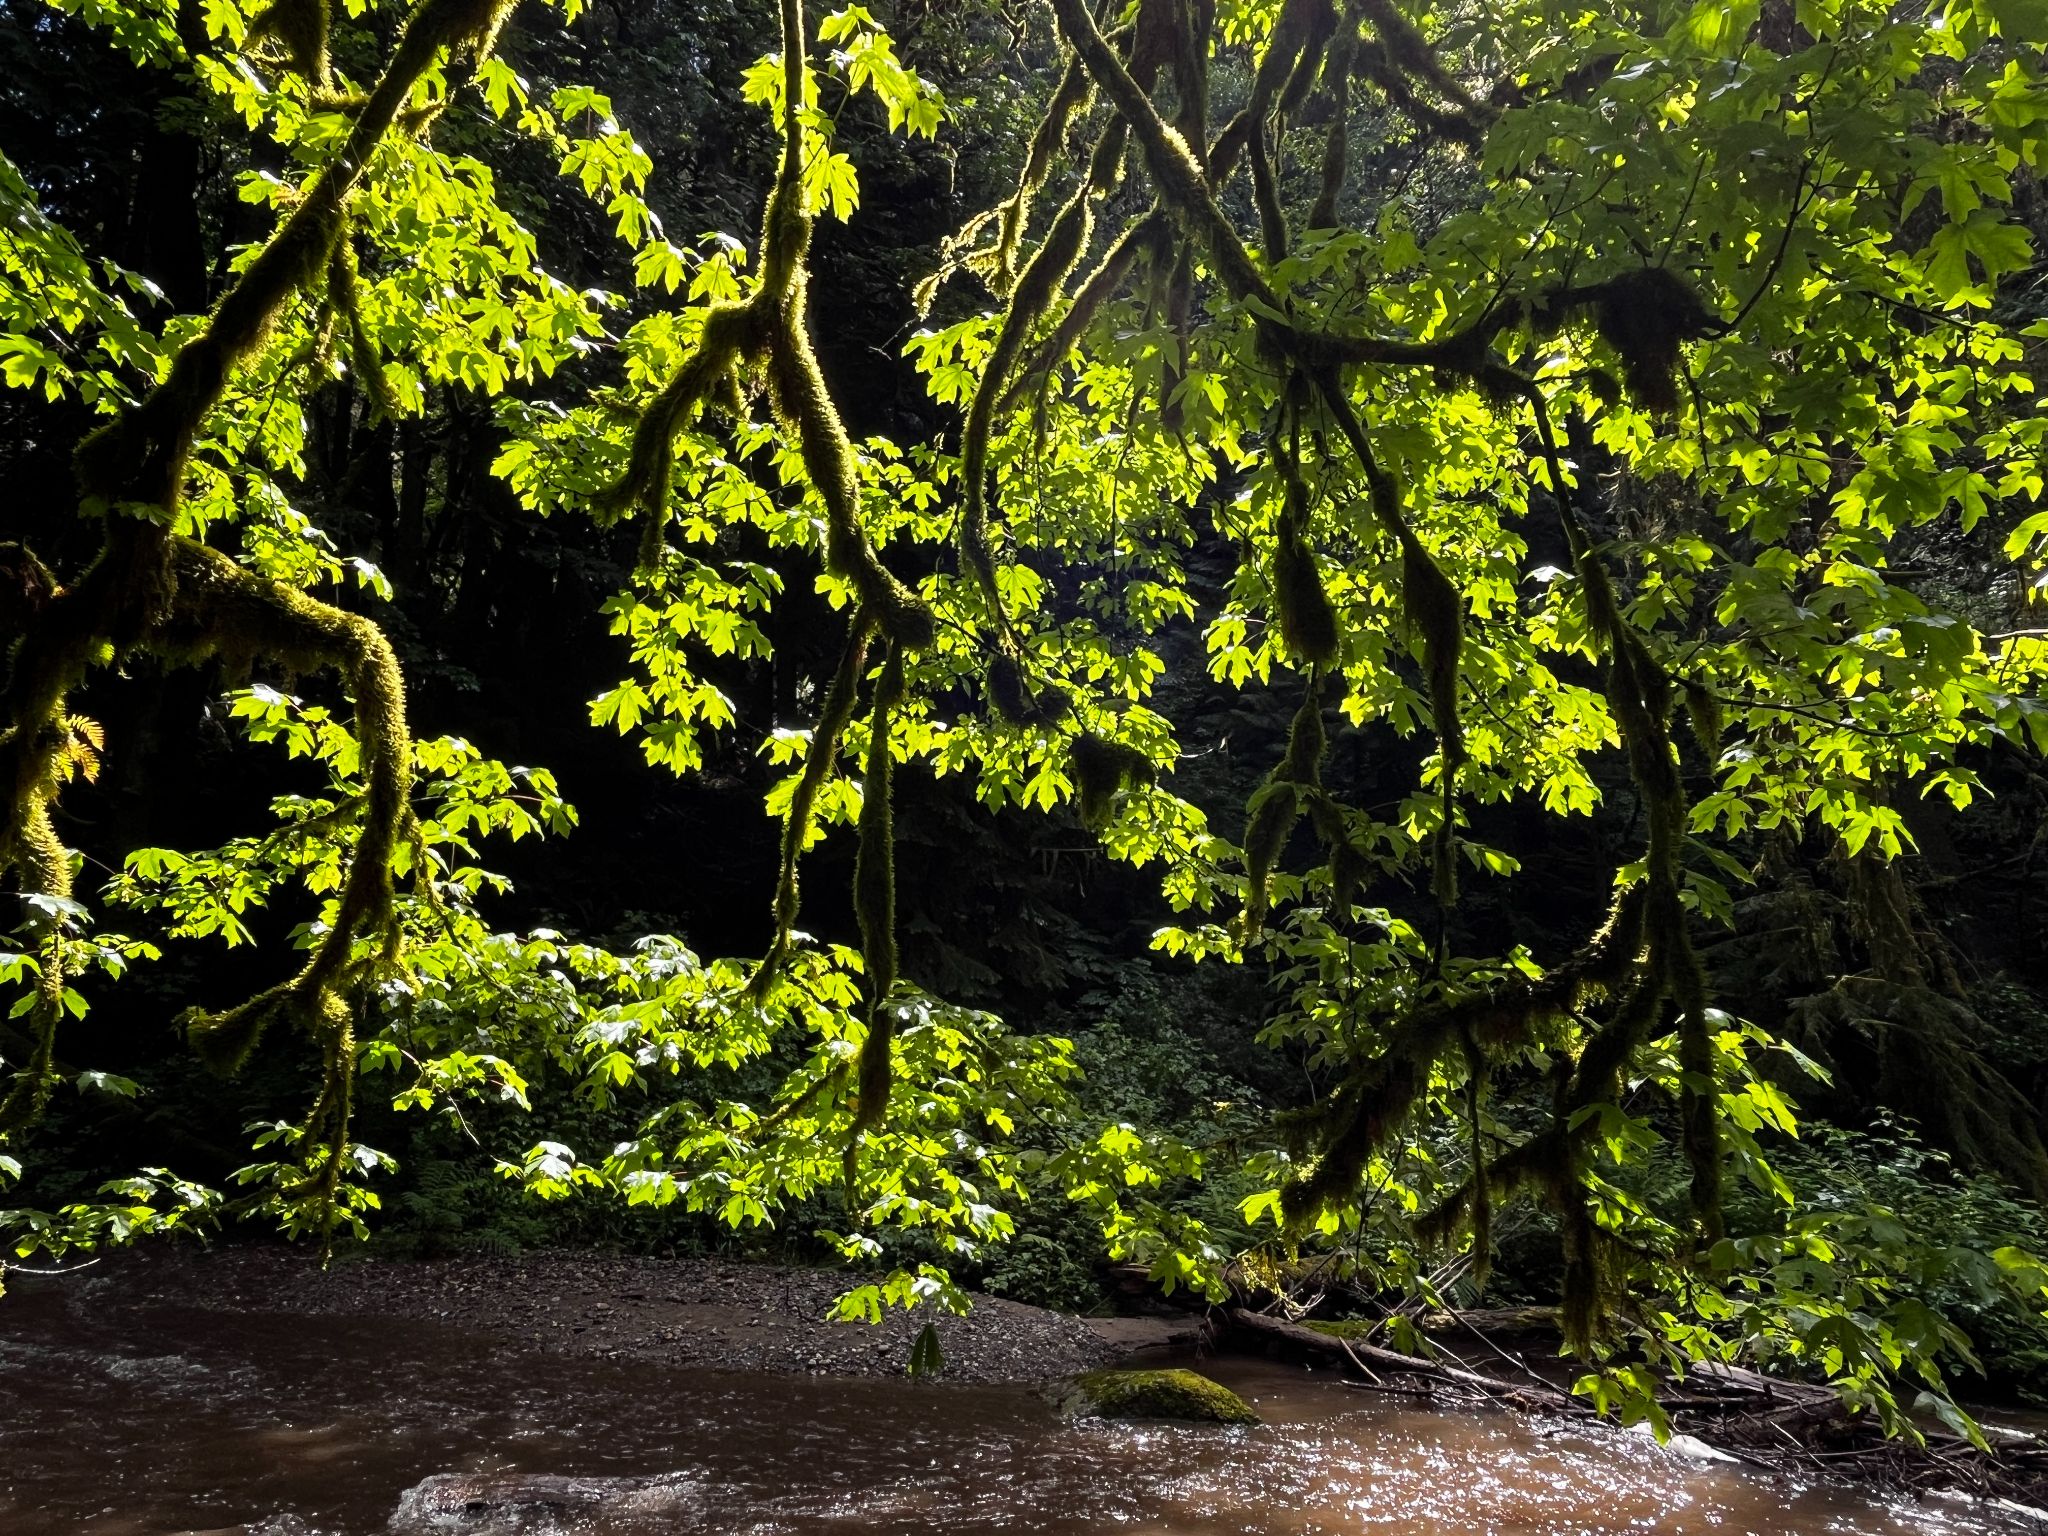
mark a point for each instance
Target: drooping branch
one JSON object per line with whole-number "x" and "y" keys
{"x": 1069, "y": 101}
{"x": 159, "y": 592}
{"x": 1641, "y": 693}
{"x": 1042, "y": 279}
{"x": 771, "y": 330}
{"x": 1290, "y": 67}
{"x": 1337, "y": 68}
{"x": 1398, "y": 52}
{"x": 1646, "y": 963}
{"x": 1301, "y": 26}
{"x": 1378, "y": 1100}
{"x": 1645, "y": 315}
{"x": 1143, "y": 238}
{"x": 820, "y": 759}
{"x": 874, "y": 902}
{"x": 1168, "y": 159}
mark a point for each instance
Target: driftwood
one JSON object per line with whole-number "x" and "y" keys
{"x": 1712, "y": 1390}
{"x": 1532, "y": 1394}
{"x": 1726, "y": 1409}
{"x": 1491, "y": 1320}
{"x": 1737, "y": 1379}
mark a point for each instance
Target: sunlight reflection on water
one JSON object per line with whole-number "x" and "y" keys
{"x": 119, "y": 1418}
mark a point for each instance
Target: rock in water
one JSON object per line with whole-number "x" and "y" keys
{"x": 530, "y": 1503}
{"x": 1185, "y": 1395}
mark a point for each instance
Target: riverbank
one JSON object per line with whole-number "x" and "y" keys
{"x": 707, "y": 1314}
{"x": 241, "y": 1397}
{"x": 739, "y": 1318}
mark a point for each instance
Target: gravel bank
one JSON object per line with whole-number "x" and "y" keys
{"x": 715, "y": 1314}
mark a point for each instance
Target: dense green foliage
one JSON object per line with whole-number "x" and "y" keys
{"x": 1578, "y": 424}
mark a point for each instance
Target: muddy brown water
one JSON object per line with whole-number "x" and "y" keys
{"x": 121, "y": 1416}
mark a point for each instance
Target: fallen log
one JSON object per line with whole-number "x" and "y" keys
{"x": 1771, "y": 1388}
{"x": 1491, "y": 1320}
{"x": 1730, "y": 1410}
{"x": 1532, "y": 1395}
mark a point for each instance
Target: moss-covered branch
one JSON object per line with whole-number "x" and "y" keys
{"x": 771, "y": 331}
{"x": 154, "y": 591}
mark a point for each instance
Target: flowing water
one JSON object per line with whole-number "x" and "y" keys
{"x": 121, "y": 1416}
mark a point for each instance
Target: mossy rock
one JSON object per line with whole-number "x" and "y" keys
{"x": 1185, "y": 1395}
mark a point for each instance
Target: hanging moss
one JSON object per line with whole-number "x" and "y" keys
{"x": 345, "y": 296}
{"x": 1640, "y": 692}
{"x": 1106, "y": 162}
{"x": 1479, "y": 1198}
{"x": 1530, "y": 1168}
{"x": 301, "y": 26}
{"x": 1306, "y": 740}
{"x": 874, "y": 903}
{"x": 1272, "y": 815}
{"x": 1582, "y": 1306}
{"x": 1097, "y": 289}
{"x": 1266, "y": 197}
{"x": 1645, "y": 315}
{"x": 1436, "y": 610}
{"x": 1699, "y": 1095}
{"x": 1337, "y": 66}
{"x": 1175, "y": 171}
{"x": 1308, "y": 63}
{"x": 771, "y": 330}
{"x": 730, "y": 332}
{"x": 1008, "y": 692}
{"x": 1703, "y": 712}
{"x": 155, "y": 591}
{"x": 1348, "y": 865}
{"x": 798, "y": 388}
{"x": 1069, "y": 100}
{"x": 35, "y": 849}
{"x": 1308, "y": 620}
{"x": 1297, "y": 22}
{"x": 1289, "y": 67}
{"x": 1379, "y": 1098}
{"x": 1192, "y": 24}
{"x": 1042, "y": 278}
{"x": 1307, "y": 617}
{"x": 1278, "y": 804}
{"x": 1100, "y": 768}
{"x": 820, "y": 760}
{"x": 225, "y": 612}
{"x": 1153, "y": 40}
{"x": 1435, "y": 607}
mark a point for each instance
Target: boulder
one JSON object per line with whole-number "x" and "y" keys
{"x": 1183, "y": 1395}
{"x": 529, "y": 1503}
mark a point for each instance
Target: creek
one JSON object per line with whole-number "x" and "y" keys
{"x": 123, "y": 1414}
